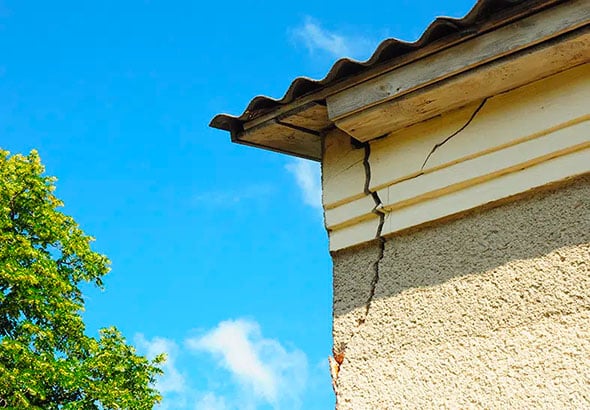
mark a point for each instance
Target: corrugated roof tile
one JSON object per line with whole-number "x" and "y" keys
{"x": 386, "y": 53}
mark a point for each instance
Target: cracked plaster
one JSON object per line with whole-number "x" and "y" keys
{"x": 490, "y": 309}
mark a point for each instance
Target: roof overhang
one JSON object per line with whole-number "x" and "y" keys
{"x": 498, "y": 46}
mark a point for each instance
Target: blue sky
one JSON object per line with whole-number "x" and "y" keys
{"x": 219, "y": 255}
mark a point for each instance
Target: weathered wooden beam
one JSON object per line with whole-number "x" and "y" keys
{"x": 490, "y": 52}
{"x": 278, "y": 137}
{"x": 487, "y": 80}
{"x": 296, "y": 133}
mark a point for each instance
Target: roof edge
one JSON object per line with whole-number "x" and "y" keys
{"x": 443, "y": 32}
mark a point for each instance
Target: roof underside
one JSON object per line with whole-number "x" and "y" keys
{"x": 441, "y": 33}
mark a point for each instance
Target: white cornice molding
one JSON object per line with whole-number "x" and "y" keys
{"x": 507, "y": 144}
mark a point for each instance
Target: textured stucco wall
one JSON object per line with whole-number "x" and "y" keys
{"x": 491, "y": 310}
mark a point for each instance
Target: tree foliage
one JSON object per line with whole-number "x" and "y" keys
{"x": 46, "y": 359}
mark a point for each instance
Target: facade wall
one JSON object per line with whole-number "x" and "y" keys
{"x": 489, "y": 310}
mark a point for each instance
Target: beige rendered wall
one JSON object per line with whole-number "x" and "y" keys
{"x": 489, "y": 310}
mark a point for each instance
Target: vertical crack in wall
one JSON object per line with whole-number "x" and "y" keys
{"x": 338, "y": 352}
{"x": 443, "y": 142}
{"x": 381, "y": 215}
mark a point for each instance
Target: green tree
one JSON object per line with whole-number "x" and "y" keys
{"x": 46, "y": 359}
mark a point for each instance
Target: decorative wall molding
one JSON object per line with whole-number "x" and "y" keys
{"x": 491, "y": 149}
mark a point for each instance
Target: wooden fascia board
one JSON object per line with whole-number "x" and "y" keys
{"x": 487, "y": 47}
{"x": 510, "y": 72}
{"x": 518, "y": 12}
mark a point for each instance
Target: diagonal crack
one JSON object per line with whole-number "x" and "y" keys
{"x": 346, "y": 168}
{"x": 443, "y": 142}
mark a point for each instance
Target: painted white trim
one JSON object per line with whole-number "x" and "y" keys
{"x": 556, "y": 169}
{"x": 503, "y": 186}
{"x": 526, "y": 138}
{"x": 534, "y": 110}
{"x": 478, "y": 170}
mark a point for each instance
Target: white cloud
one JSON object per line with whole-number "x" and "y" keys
{"x": 210, "y": 401}
{"x": 308, "y": 178}
{"x": 315, "y": 38}
{"x": 172, "y": 381}
{"x": 265, "y": 371}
